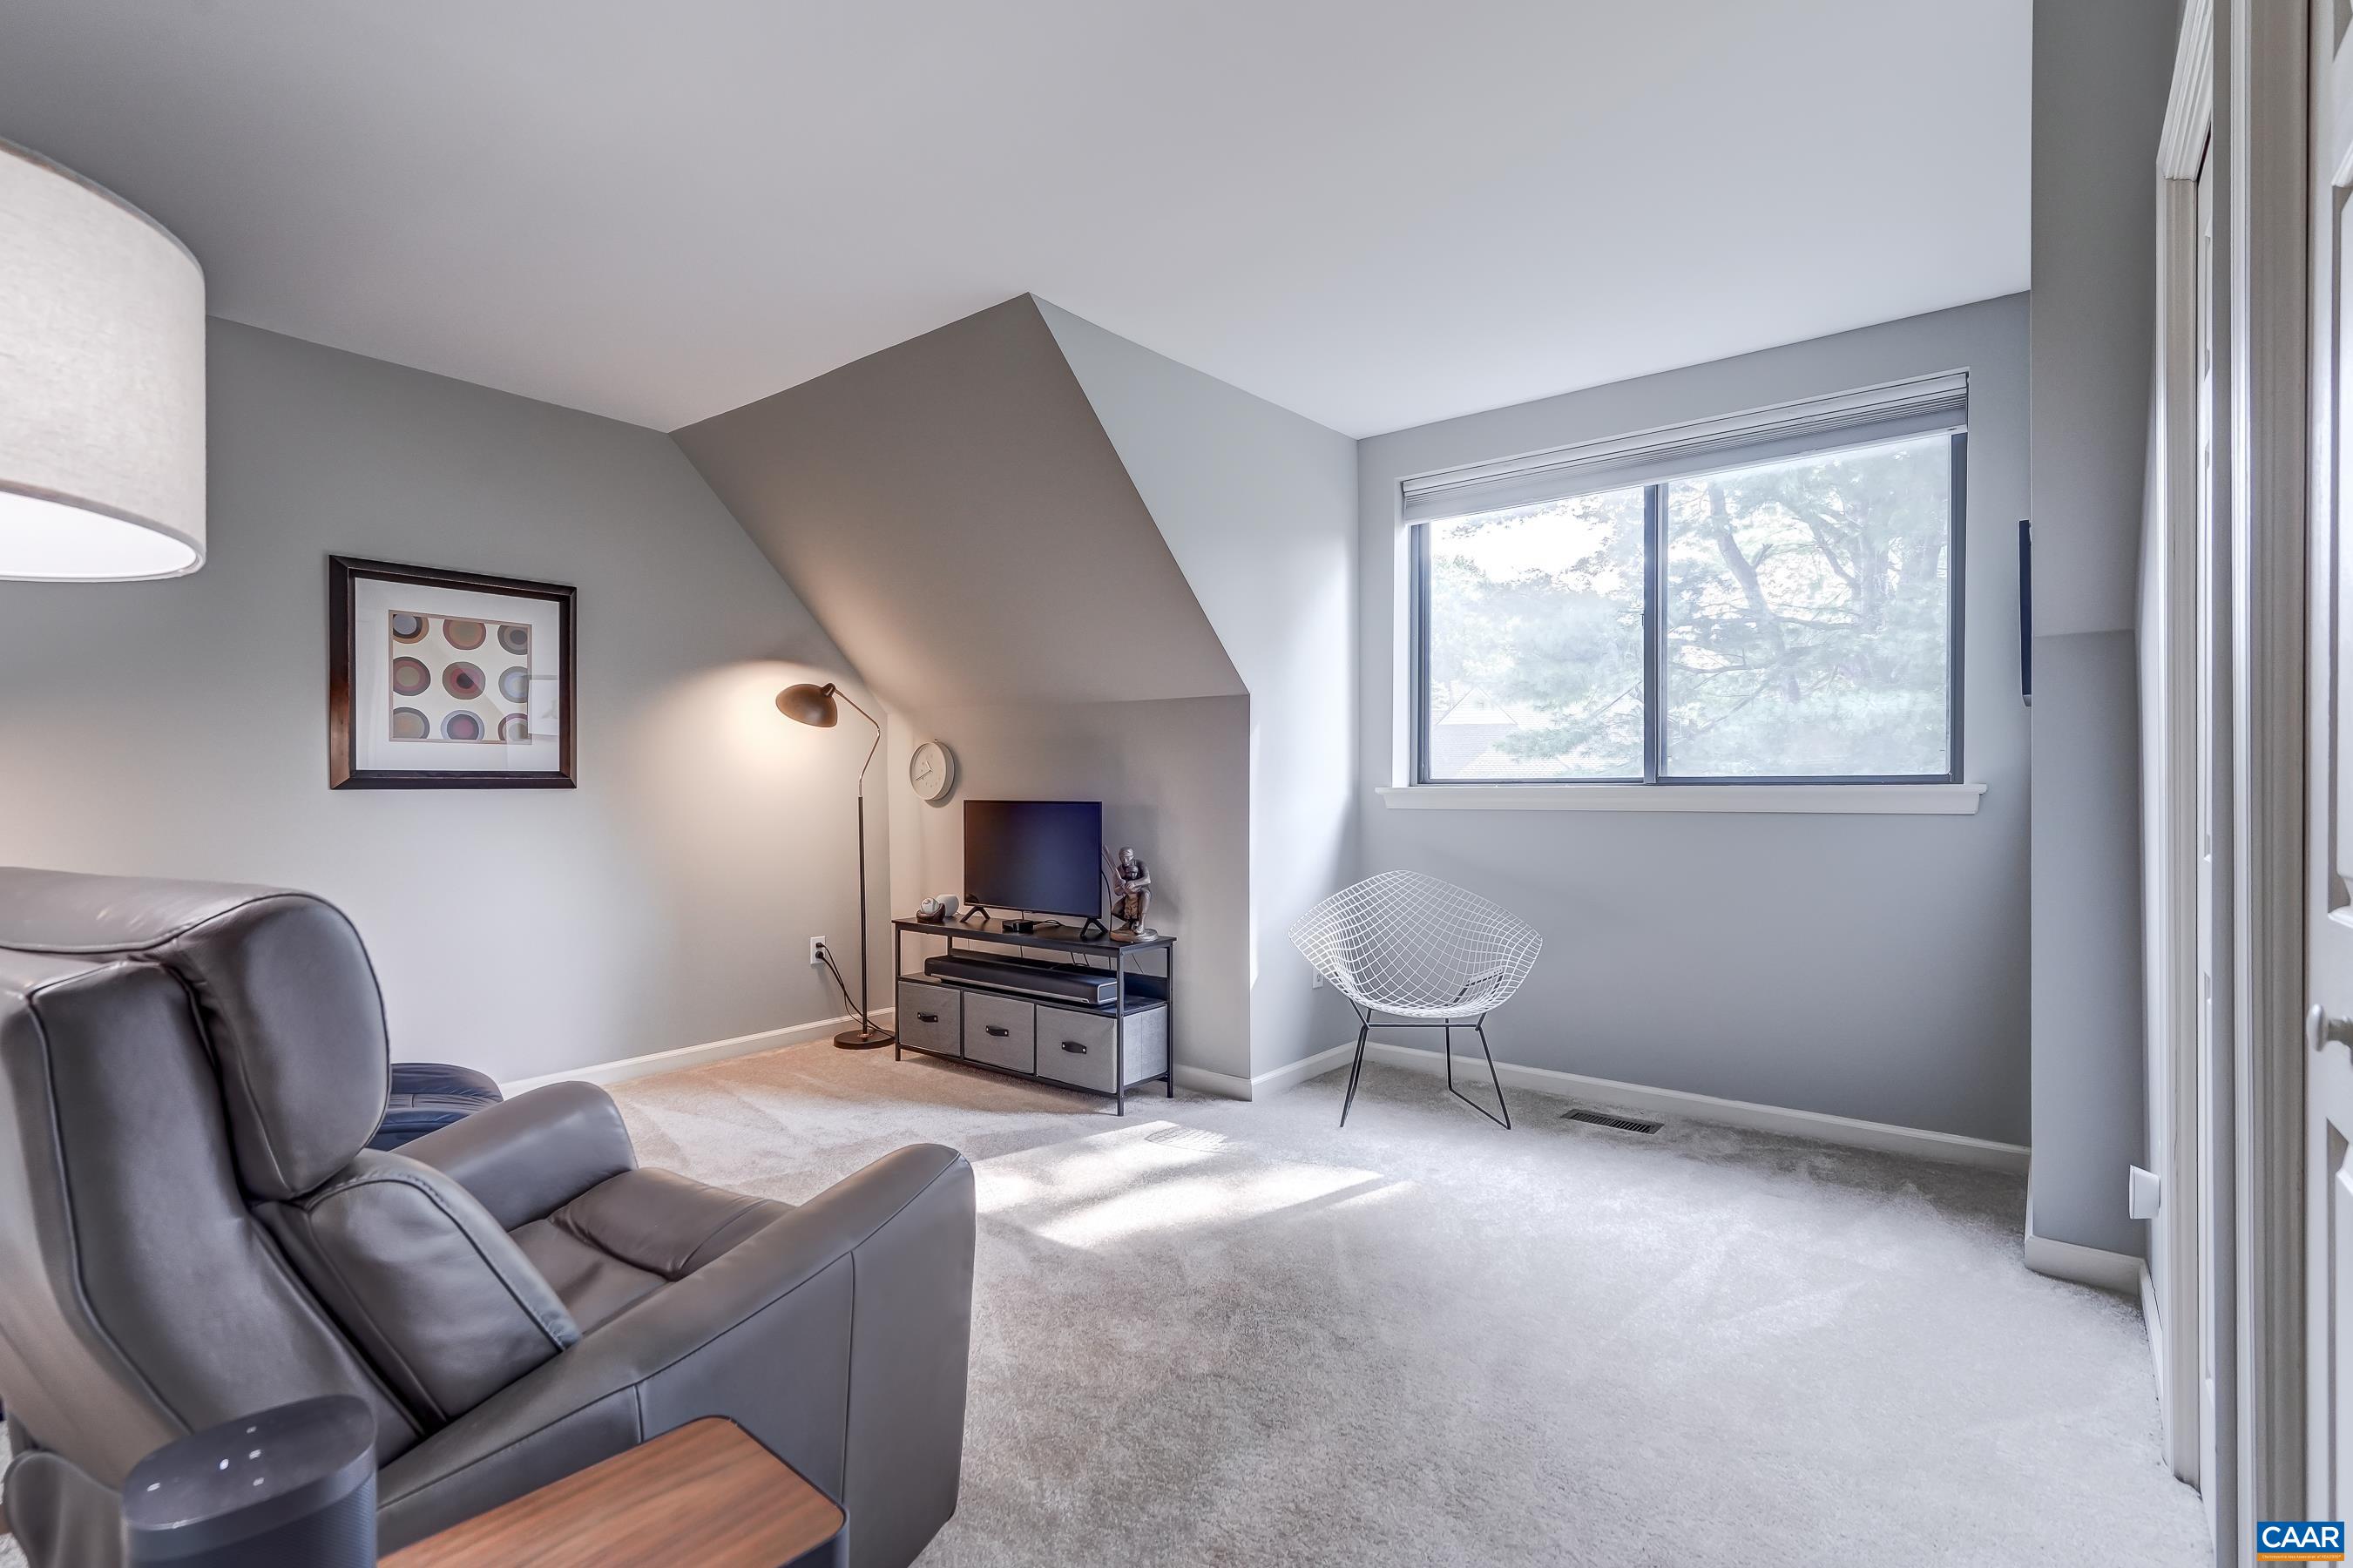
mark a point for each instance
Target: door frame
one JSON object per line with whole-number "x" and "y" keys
{"x": 2262, "y": 61}
{"x": 2169, "y": 675}
{"x": 2324, "y": 571}
{"x": 2263, "y": 90}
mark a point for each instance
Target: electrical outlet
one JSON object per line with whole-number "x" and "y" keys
{"x": 816, "y": 952}
{"x": 1315, "y": 979}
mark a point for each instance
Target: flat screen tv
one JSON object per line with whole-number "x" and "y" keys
{"x": 1040, "y": 857}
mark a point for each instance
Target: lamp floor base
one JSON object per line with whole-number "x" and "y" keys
{"x": 863, "y": 1039}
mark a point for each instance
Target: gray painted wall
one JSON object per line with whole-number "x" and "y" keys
{"x": 2100, "y": 72}
{"x": 1173, "y": 780}
{"x": 964, "y": 526}
{"x": 953, "y": 512}
{"x": 179, "y": 727}
{"x": 2090, "y": 1093}
{"x": 1866, "y": 966}
{"x": 1258, "y": 507}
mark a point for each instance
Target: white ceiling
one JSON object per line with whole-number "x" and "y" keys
{"x": 1374, "y": 211}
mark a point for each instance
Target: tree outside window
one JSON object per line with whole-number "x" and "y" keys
{"x": 1804, "y": 612}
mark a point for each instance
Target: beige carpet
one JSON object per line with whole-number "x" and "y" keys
{"x": 1219, "y": 1333}
{"x": 1223, "y": 1333}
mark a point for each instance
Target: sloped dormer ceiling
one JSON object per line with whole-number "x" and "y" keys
{"x": 953, "y": 514}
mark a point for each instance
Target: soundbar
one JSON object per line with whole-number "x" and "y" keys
{"x": 1029, "y": 977}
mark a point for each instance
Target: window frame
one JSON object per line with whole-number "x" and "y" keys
{"x": 1654, "y": 647}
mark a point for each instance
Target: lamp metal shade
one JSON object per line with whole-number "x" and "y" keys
{"x": 809, "y": 705}
{"x": 102, "y": 383}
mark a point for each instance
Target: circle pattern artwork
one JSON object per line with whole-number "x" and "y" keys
{"x": 440, "y": 694}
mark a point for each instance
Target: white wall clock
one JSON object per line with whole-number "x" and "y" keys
{"x": 931, "y": 771}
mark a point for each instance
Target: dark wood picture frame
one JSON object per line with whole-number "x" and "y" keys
{"x": 344, "y": 573}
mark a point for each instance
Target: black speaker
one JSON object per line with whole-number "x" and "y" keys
{"x": 288, "y": 1488}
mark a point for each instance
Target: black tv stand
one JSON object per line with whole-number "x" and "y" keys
{"x": 1090, "y": 929}
{"x": 1104, "y": 1050}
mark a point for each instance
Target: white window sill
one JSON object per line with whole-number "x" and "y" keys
{"x": 1828, "y": 799}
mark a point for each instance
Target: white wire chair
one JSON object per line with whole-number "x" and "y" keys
{"x": 1429, "y": 955}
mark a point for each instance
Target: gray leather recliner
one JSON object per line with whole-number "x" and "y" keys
{"x": 191, "y": 1229}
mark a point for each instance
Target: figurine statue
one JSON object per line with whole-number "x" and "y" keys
{"x": 1131, "y": 895}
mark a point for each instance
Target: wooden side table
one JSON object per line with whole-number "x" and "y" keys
{"x": 706, "y": 1495}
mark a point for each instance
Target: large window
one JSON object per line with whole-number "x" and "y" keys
{"x": 1792, "y": 615}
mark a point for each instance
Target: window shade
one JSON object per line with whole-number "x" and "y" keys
{"x": 1876, "y": 414}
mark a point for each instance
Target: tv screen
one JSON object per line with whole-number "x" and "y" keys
{"x": 1044, "y": 857}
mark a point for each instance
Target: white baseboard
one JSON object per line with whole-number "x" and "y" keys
{"x": 2153, "y": 1320}
{"x": 1266, "y": 1083}
{"x": 1949, "y": 1147}
{"x": 1204, "y": 1081}
{"x": 1300, "y": 1071}
{"x": 694, "y": 1056}
{"x": 2102, "y": 1270}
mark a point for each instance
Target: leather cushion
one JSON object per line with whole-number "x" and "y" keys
{"x": 631, "y": 1235}
{"x": 594, "y": 1286}
{"x": 427, "y": 1097}
{"x": 443, "y": 1078}
{"x": 287, "y": 999}
{"x": 439, "y": 1298}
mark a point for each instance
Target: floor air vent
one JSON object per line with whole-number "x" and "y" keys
{"x": 1201, "y": 1140}
{"x": 1610, "y": 1119}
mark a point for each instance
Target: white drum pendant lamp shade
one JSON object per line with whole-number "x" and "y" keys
{"x": 102, "y": 383}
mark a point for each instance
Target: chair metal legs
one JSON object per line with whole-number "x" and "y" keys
{"x": 1505, "y": 1120}
{"x": 1357, "y": 1071}
{"x": 1477, "y": 1025}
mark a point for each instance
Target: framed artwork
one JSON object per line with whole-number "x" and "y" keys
{"x": 446, "y": 679}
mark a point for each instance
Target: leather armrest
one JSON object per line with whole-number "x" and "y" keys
{"x": 603, "y": 1395}
{"x": 524, "y": 1159}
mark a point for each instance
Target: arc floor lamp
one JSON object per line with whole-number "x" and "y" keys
{"x": 819, "y": 706}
